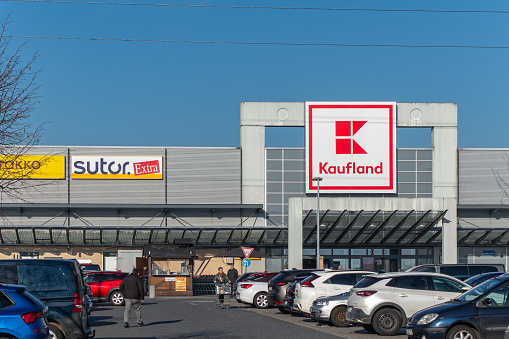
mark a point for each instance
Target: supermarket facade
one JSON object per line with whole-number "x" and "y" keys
{"x": 380, "y": 207}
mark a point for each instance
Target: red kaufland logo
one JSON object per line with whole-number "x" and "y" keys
{"x": 146, "y": 167}
{"x": 351, "y": 146}
{"x": 345, "y": 143}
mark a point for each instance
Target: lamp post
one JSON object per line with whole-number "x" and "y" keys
{"x": 317, "y": 179}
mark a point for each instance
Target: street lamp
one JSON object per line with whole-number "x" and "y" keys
{"x": 317, "y": 179}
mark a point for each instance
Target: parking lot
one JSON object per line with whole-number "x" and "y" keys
{"x": 197, "y": 317}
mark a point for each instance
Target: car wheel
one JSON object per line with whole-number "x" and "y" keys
{"x": 260, "y": 300}
{"x": 462, "y": 332}
{"x": 283, "y": 310}
{"x": 368, "y": 328}
{"x": 55, "y": 332}
{"x": 338, "y": 317}
{"x": 117, "y": 298}
{"x": 387, "y": 321}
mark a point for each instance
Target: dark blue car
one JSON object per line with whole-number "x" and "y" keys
{"x": 22, "y": 315}
{"x": 482, "y": 312}
{"x": 480, "y": 278}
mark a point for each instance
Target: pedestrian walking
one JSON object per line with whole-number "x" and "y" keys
{"x": 220, "y": 279}
{"x": 145, "y": 279}
{"x": 233, "y": 275}
{"x": 132, "y": 288}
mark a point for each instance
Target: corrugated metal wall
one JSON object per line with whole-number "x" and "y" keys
{"x": 478, "y": 183}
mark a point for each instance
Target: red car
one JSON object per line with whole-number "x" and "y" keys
{"x": 105, "y": 286}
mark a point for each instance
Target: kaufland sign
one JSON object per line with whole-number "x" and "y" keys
{"x": 352, "y": 146}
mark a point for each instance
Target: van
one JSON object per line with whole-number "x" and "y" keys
{"x": 459, "y": 271}
{"x": 58, "y": 283}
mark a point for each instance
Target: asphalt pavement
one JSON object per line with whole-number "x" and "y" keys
{"x": 197, "y": 317}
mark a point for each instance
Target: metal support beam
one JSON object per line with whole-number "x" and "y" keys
{"x": 230, "y": 237}
{"x": 314, "y": 229}
{"x": 396, "y": 228}
{"x": 261, "y": 237}
{"x": 414, "y": 226}
{"x": 213, "y": 241}
{"x": 482, "y": 237}
{"x": 198, "y": 237}
{"x": 117, "y": 238}
{"x": 498, "y": 238}
{"x": 338, "y": 239}
{"x": 462, "y": 240}
{"x": 277, "y": 237}
{"x": 380, "y": 227}
{"x": 430, "y": 226}
{"x": 366, "y": 225}
{"x": 247, "y": 236}
{"x": 332, "y": 227}
{"x": 101, "y": 236}
{"x": 430, "y": 240}
{"x": 134, "y": 237}
{"x": 33, "y": 233}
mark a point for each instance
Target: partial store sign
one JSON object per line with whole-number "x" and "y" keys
{"x": 352, "y": 146}
{"x": 116, "y": 167}
{"x": 32, "y": 167}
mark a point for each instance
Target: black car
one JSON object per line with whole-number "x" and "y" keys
{"x": 280, "y": 283}
{"x": 58, "y": 283}
{"x": 482, "y": 312}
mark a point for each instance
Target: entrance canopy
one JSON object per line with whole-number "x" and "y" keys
{"x": 364, "y": 228}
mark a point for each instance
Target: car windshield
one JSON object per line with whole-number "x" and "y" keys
{"x": 478, "y": 290}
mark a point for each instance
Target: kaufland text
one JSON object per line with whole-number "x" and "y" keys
{"x": 349, "y": 168}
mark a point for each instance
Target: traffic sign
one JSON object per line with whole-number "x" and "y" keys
{"x": 246, "y": 262}
{"x": 247, "y": 251}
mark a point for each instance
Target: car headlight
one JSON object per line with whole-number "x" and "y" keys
{"x": 427, "y": 319}
{"x": 321, "y": 303}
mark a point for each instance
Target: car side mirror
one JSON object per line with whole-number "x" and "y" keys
{"x": 488, "y": 302}
{"x": 466, "y": 289}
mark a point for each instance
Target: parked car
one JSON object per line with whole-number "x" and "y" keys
{"x": 90, "y": 267}
{"x": 280, "y": 283}
{"x": 289, "y": 297}
{"x": 460, "y": 271}
{"x": 331, "y": 309}
{"x": 324, "y": 283}
{"x": 480, "y": 278}
{"x": 482, "y": 312}
{"x": 105, "y": 286}
{"x": 58, "y": 283}
{"x": 382, "y": 303}
{"x": 254, "y": 290}
{"x": 22, "y": 315}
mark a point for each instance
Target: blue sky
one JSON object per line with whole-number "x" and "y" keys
{"x": 176, "y": 94}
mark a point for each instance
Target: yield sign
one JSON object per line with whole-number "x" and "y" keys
{"x": 247, "y": 251}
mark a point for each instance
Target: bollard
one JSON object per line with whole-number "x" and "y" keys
{"x": 152, "y": 292}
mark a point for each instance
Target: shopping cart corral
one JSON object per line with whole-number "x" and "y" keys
{"x": 223, "y": 294}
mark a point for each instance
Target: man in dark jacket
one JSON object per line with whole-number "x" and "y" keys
{"x": 132, "y": 288}
{"x": 233, "y": 275}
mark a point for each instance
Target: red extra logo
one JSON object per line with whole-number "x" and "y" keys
{"x": 146, "y": 167}
{"x": 345, "y": 143}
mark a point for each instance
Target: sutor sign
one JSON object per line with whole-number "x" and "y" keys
{"x": 117, "y": 167}
{"x": 352, "y": 146}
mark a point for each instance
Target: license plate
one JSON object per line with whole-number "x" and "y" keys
{"x": 409, "y": 331}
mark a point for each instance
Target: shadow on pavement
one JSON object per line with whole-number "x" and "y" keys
{"x": 101, "y": 321}
{"x": 203, "y": 334}
{"x": 163, "y": 322}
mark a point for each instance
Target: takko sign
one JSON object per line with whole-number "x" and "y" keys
{"x": 117, "y": 167}
{"x": 32, "y": 167}
{"x": 352, "y": 146}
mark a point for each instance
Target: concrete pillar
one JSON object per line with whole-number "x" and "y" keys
{"x": 445, "y": 185}
{"x": 295, "y": 233}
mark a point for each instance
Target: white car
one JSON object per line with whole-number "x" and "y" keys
{"x": 255, "y": 290}
{"x": 383, "y": 303}
{"x": 324, "y": 283}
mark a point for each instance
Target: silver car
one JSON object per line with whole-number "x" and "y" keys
{"x": 331, "y": 309}
{"x": 382, "y": 303}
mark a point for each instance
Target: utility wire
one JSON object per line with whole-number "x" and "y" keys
{"x": 262, "y": 7}
{"x": 257, "y": 43}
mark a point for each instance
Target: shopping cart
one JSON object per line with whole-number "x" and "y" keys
{"x": 223, "y": 294}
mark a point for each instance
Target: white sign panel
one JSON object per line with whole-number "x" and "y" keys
{"x": 352, "y": 146}
{"x": 116, "y": 167}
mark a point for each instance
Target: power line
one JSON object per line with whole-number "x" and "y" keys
{"x": 261, "y": 7}
{"x": 257, "y": 43}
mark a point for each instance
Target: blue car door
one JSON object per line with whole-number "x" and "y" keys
{"x": 494, "y": 312}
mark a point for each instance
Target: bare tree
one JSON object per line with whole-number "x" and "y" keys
{"x": 18, "y": 100}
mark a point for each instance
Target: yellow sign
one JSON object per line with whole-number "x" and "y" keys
{"x": 180, "y": 284}
{"x": 32, "y": 167}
